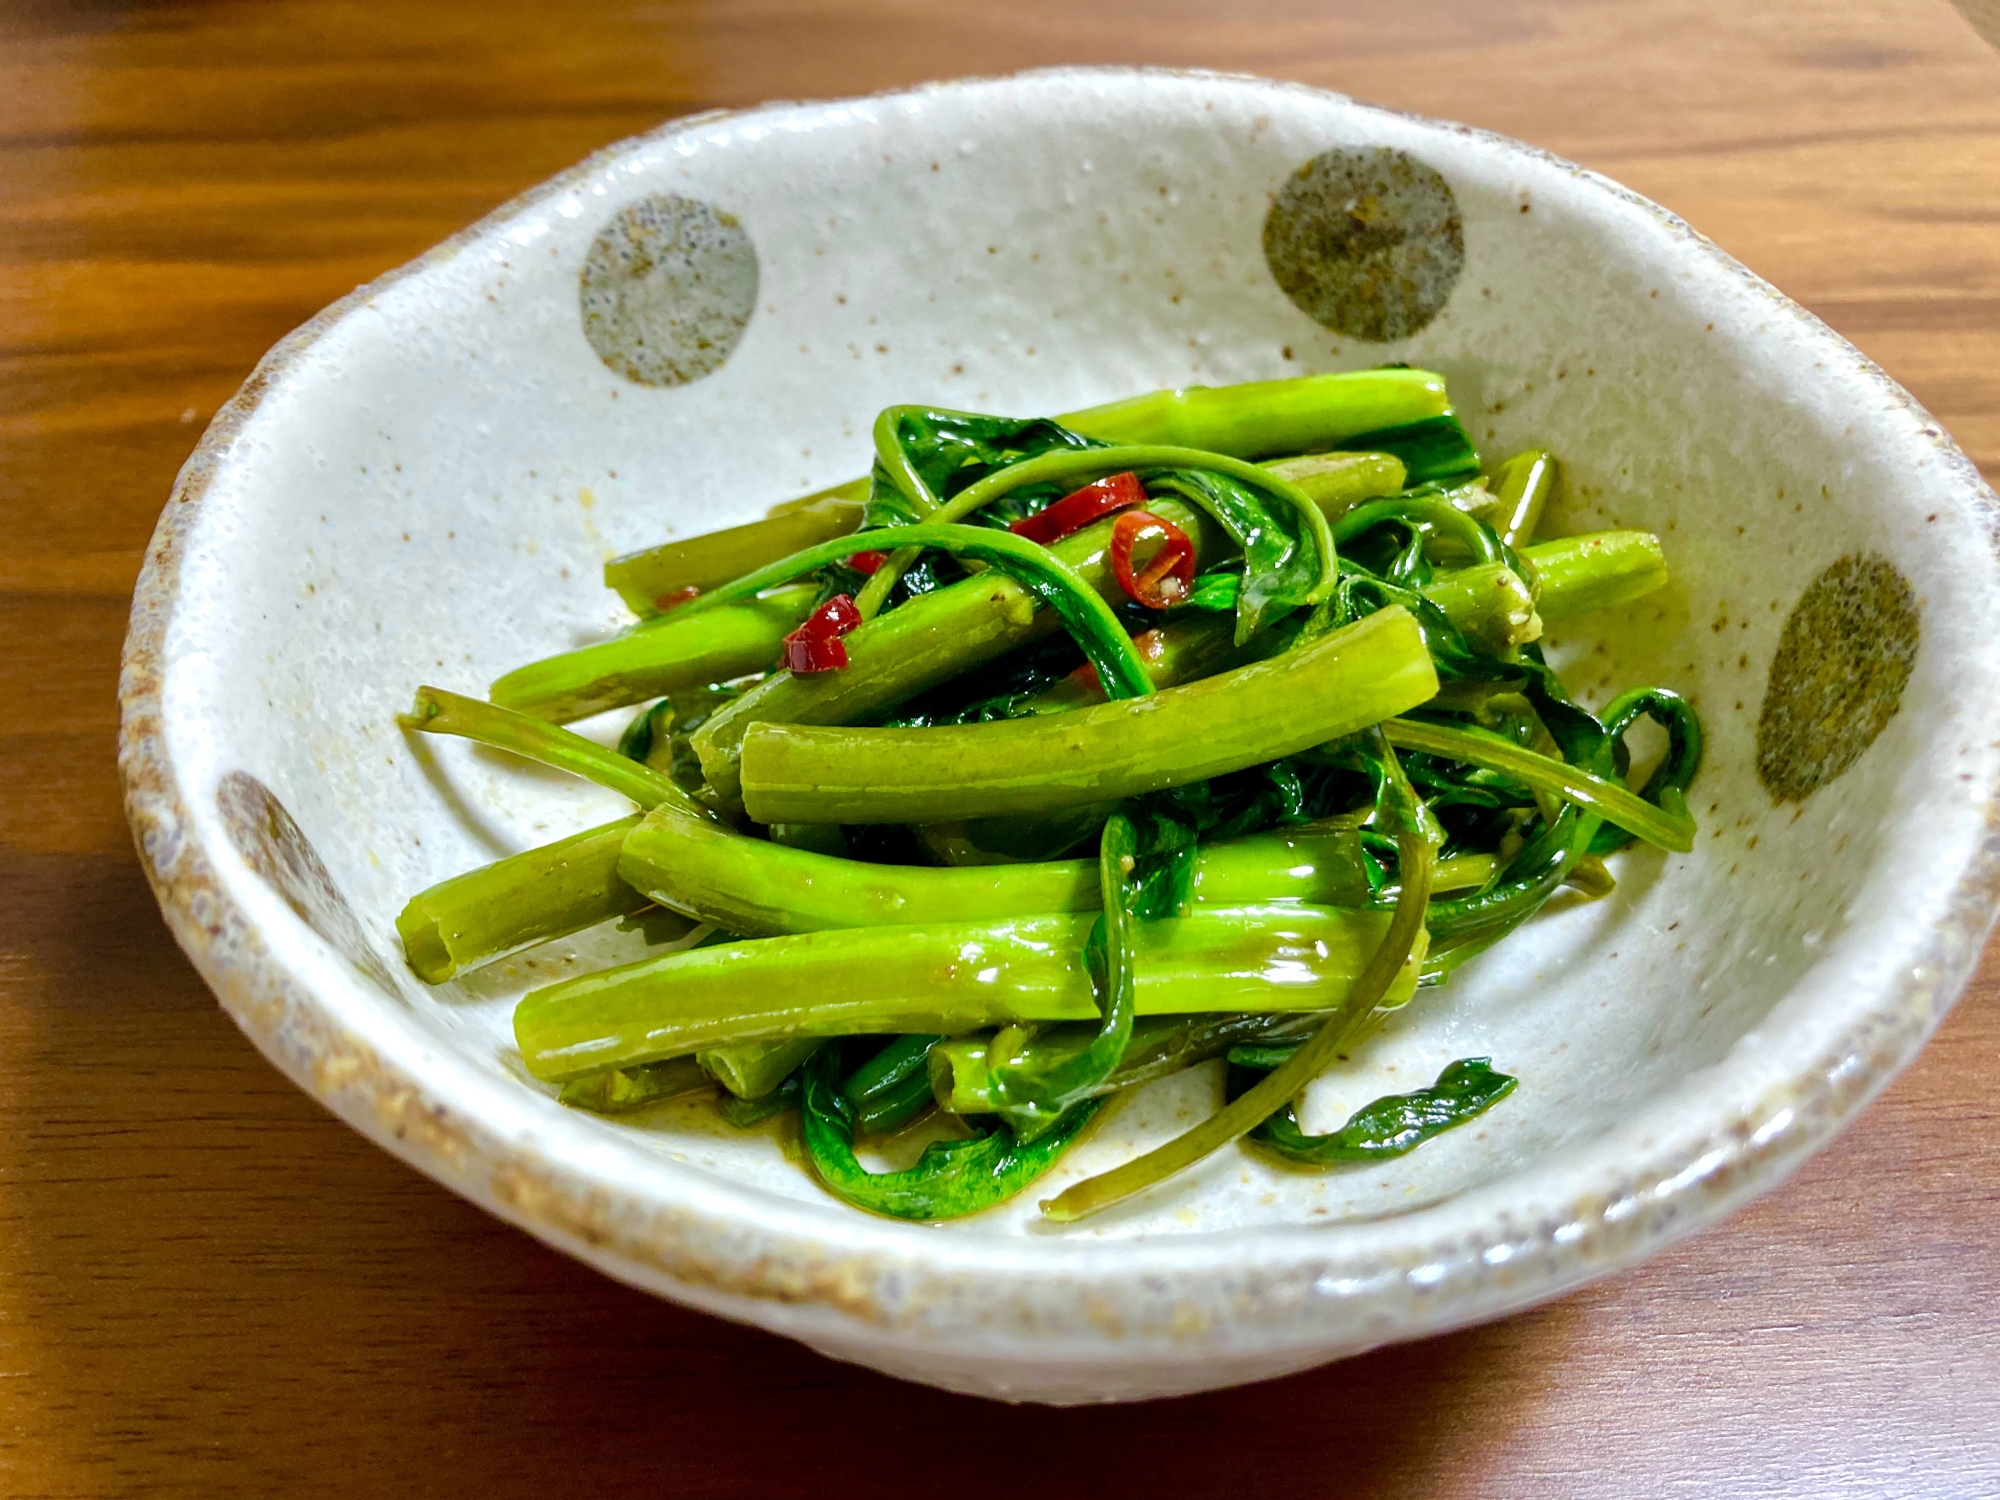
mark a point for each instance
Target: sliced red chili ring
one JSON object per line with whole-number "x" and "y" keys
{"x": 1163, "y": 579}
{"x": 816, "y": 646}
{"x": 1079, "y": 508}
{"x": 867, "y": 562}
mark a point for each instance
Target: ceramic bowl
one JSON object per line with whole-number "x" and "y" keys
{"x": 422, "y": 484}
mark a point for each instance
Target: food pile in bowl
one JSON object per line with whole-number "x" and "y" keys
{"x": 1061, "y": 754}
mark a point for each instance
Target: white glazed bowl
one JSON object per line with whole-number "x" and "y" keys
{"x": 421, "y": 485}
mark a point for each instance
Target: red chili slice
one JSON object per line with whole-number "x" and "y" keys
{"x": 816, "y": 646}
{"x": 867, "y": 562}
{"x": 1079, "y": 508}
{"x": 1164, "y": 578}
{"x": 835, "y": 617}
{"x": 806, "y": 654}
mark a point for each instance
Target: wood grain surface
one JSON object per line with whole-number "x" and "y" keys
{"x": 210, "y": 1287}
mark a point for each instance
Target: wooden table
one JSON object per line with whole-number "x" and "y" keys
{"x": 208, "y": 1286}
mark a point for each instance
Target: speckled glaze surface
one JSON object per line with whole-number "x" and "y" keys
{"x": 422, "y": 484}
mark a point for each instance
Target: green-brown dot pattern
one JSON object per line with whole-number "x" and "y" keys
{"x": 1367, "y": 241}
{"x": 274, "y": 846}
{"x": 1838, "y": 676}
{"x": 667, "y": 290}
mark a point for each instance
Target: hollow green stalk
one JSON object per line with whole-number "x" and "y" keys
{"x": 662, "y": 656}
{"x": 753, "y": 1070}
{"x": 1463, "y": 872}
{"x": 1520, "y": 494}
{"x": 523, "y": 899}
{"x": 943, "y": 981}
{"x": 1331, "y": 687}
{"x": 1267, "y": 418}
{"x": 650, "y": 580}
{"x": 1609, "y": 800}
{"x": 961, "y": 1073}
{"x": 1490, "y": 604}
{"x": 759, "y": 889}
{"x": 439, "y": 712}
{"x": 1339, "y": 481}
{"x": 1581, "y": 573}
{"x": 1179, "y": 651}
{"x": 616, "y": 1090}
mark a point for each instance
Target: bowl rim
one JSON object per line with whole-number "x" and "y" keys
{"x": 789, "y": 1266}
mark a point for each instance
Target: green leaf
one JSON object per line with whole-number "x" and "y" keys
{"x": 925, "y": 455}
{"x": 1213, "y": 593}
{"x": 1435, "y": 450}
{"x": 892, "y": 1087}
{"x": 1281, "y": 562}
{"x": 1394, "y": 1125}
{"x": 950, "y": 1180}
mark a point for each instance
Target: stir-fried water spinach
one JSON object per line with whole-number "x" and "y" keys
{"x": 1062, "y": 754}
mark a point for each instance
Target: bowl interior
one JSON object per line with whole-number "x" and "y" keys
{"x": 427, "y": 492}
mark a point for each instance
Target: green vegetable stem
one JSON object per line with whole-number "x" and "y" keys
{"x": 1670, "y": 830}
{"x": 760, "y": 889}
{"x": 1333, "y": 686}
{"x": 656, "y": 658}
{"x": 1524, "y": 485}
{"x": 1606, "y": 568}
{"x": 441, "y": 712}
{"x": 961, "y": 1079}
{"x": 526, "y": 898}
{"x": 755, "y": 1070}
{"x": 659, "y": 577}
{"x": 619, "y": 1090}
{"x": 1266, "y": 418}
{"x": 941, "y": 981}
